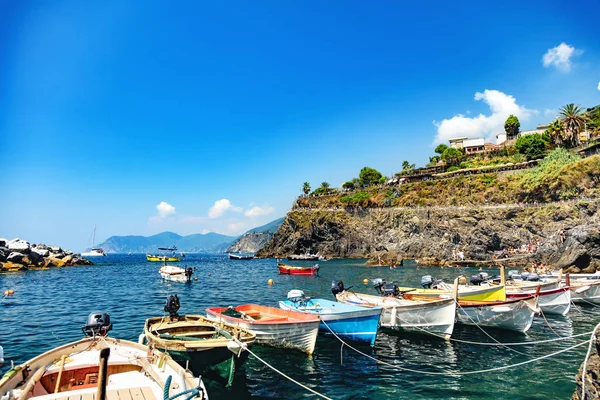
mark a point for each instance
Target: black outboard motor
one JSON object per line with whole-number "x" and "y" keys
{"x": 378, "y": 284}
{"x": 189, "y": 272}
{"x": 476, "y": 280}
{"x": 496, "y": 279}
{"x": 172, "y": 305}
{"x": 98, "y": 324}
{"x": 337, "y": 287}
{"x": 391, "y": 289}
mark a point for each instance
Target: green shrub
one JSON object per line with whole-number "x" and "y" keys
{"x": 532, "y": 146}
{"x": 452, "y": 169}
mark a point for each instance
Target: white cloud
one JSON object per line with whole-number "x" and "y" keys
{"x": 560, "y": 57}
{"x": 220, "y": 207}
{"x": 165, "y": 209}
{"x": 550, "y": 113}
{"x": 257, "y": 211}
{"x": 598, "y": 85}
{"x": 501, "y": 105}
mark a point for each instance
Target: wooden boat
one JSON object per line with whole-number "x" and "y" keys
{"x": 239, "y": 256}
{"x": 585, "y": 291}
{"x": 515, "y": 315}
{"x": 165, "y": 257}
{"x": 429, "y": 316}
{"x": 272, "y": 326}
{"x": 176, "y": 274}
{"x": 303, "y": 257}
{"x": 472, "y": 292}
{"x": 200, "y": 344}
{"x": 349, "y": 322}
{"x": 99, "y": 367}
{"x": 554, "y": 296}
{"x": 285, "y": 269}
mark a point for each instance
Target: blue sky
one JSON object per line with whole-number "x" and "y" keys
{"x": 141, "y": 117}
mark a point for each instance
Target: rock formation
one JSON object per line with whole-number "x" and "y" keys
{"x": 20, "y": 255}
{"x": 591, "y": 373}
{"x": 250, "y": 242}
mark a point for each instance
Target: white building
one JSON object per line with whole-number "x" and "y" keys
{"x": 472, "y": 146}
{"x": 457, "y": 143}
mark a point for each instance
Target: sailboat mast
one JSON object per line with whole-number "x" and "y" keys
{"x": 94, "y": 237}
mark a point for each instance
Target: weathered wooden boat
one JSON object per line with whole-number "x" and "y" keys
{"x": 586, "y": 290}
{"x": 433, "y": 316}
{"x": 303, "y": 257}
{"x": 515, "y": 315}
{"x": 285, "y": 269}
{"x": 272, "y": 327}
{"x": 239, "y": 256}
{"x": 347, "y": 321}
{"x": 473, "y": 292}
{"x": 99, "y": 368}
{"x": 554, "y": 295}
{"x": 205, "y": 347}
{"x": 176, "y": 274}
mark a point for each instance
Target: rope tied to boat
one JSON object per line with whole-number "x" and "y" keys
{"x": 245, "y": 347}
{"x": 585, "y": 361}
{"x": 458, "y": 373}
{"x": 195, "y": 392}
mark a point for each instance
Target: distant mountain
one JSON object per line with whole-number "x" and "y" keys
{"x": 255, "y": 239}
{"x": 197, "y": 243}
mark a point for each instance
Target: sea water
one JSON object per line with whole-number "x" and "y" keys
{"x": 49, "y": 307}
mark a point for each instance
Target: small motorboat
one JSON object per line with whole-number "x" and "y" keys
{"x": 303, "y": 257}
{"x": 285, "y": 269}
{"x": 239, "y": 256}
{"x": 586, "y": 290}
{"x": 554, "y": 295}
{"x": 167, "y": 256}
{"x": 347, "y": 321}
{"x": 100, "y": 367}
{"x": 204, "y": 346}
{"x": 286, "y": 329}
{"x": 176, "y": 274}
{"x": 433, "y": 316}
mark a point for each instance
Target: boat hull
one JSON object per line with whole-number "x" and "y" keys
{"x": 162, "y": 258}
{"x": 432, "y": 317}
{"x": 515, "y": 315}
{"x": 174, "y": 274}
{"x": 352, "y": 323}
{"x": 586, "y": 292}
{"x": 553, "y": 301}
{"x": 470, "y": 293}
{"x": 286, "y": 332}
{"x": 291, "y": 270}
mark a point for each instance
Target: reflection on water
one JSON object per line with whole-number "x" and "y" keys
{"x": 49, "y": 308}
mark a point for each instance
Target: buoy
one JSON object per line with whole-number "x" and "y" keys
{"x": 9, "y": 292}
{"x": 365, "y": 281}
{"x": 270, "y": 281}
{"x": 208, "y": 274}
{"x": 195, "y": 279}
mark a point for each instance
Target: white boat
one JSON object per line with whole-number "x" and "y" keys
{"x": 99, "y": 368}
{"x": 94, "y": 251}
{"x": 176, "y": 274}
{"x": 515, "y": 315}
{"x": 429, "y": 316}
{"x": 554, "y": 295}
{"x": 585, "y": 291}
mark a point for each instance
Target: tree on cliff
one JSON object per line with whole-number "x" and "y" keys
{"x": 451, "y": 156}
{"x": 306, "y": 188}
{"x": 323, "y": 189}
{"x": 511, "y": 127}
{"x": 532, "y": 146}
{"x": 369, "y": 176}
{"x": 441, "y": 148}
{"x": 573, "y": 120}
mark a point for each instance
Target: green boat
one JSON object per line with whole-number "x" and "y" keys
{"x": 203, "y": 346}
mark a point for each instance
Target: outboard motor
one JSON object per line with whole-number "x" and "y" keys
{"x": 426, "y": 281}
{"x": 172, "y": 305}
{"x": 514, "y": 274}
{"x": 524, "y": 275}
{"x": 338, "y": 287}
{"x": 98, "y": 324}
{"x": 391, "y": 289}
{"x": 378, "y": 285}
{"x": 533, "y": 277}
{"x": 189, "y": 272}
{"x": 496, "y": 279}
{"x": 476, "y": 280}
{"x": 297, "y": 296}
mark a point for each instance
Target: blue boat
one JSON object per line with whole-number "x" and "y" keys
{"x": 347, "y": 321}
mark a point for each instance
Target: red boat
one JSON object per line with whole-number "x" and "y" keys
{"x": 285, "y": 269}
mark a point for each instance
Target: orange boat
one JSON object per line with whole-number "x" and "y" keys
{"x": 285, "y": 269}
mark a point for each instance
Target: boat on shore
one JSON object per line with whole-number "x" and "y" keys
{"x": 99, "y": 367}
{"x": 285, "y": 269}
{"x": 206, "y": 347}
{"x": 239, "y": 256}
{"x": 303, "y": 257}
{"x": 94, "y": 251}
{"x": 273, "y": 327}
{"x": 167, "y": 256}
{"x": 349, "y": 322}
{"x": 432, "y": 316}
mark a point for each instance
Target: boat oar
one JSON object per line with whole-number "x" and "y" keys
{"x": 60, "y": 371}
{"x": 31, "y": 382}
{"x": 102, "y": 373}
{"x": 455, "y": 293}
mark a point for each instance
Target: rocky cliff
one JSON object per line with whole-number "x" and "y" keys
{"x": 255, "y": 239}
{"x": 591, "y": 373}
{"x": 20, "y": 255}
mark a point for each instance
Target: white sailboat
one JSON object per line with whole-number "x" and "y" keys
{"x": 94, "y": 251}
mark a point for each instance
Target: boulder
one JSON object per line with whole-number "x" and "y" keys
{"x": 42, "y": 246}
{"x": 55, "y": 249}
{"x": 20, "y": 246}
{"x": 54, "y": 262}
{"x": 11, "y": 267}
{"x": 36, "y": 258}
{"x": 68, "y": 252}
{"x": 3, "y": 242}
{"x": 4, "y": 252}
{"x": 67, "y": 259}
{"x": 41, "y": 252}
{"x": 591, "y": 374}
{"x": 18, "y": 258}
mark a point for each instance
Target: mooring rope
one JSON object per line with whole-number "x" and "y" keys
{"x": 454, "y": 373}
{"x": 245, "y": 347}
{"x": 548, "y": 323}
{"x": 584, "y": 367}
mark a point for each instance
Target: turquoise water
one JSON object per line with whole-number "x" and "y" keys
{"x": 49, "y": 308}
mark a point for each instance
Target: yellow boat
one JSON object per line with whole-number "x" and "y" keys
{"x": 154, "y": 257}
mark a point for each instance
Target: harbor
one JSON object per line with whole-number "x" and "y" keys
{"x": 48, "y": 308}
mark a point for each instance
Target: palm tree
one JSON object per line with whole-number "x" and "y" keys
{"x": 306, "y": 188}
{"x": 556, "y": 132}
{"x": 573, "y": 120}
{"x": 325, "y": 186}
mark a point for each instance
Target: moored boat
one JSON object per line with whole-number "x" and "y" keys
{"x": 167, "y": 256}
{"x": 272, "y": 327}
{"x": 94, "y": 251}
{"x": 515, "y": 315}
{"x": 347, "y": 321}
{"x": 586, "y": 291}
{"x": 433, "y": 316}
{"x": 99, "y": 367}
{"x": 176, "y": 274}
{"x": 239, "y": 256}
{"x": 284, "y": 269}
{"x": 554, "y": 296}
{"x": 303, "y": 257}
{"x": 204, "y": 346}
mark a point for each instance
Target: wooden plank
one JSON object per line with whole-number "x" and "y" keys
{"x": 124, "y": 394}
{"x": 88, "y": 396}
{"x": 75, "y": 397}
{"x": 136, "y": 394}
{"x": 112, "y": 395}
{"x": 148, "y": 393}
